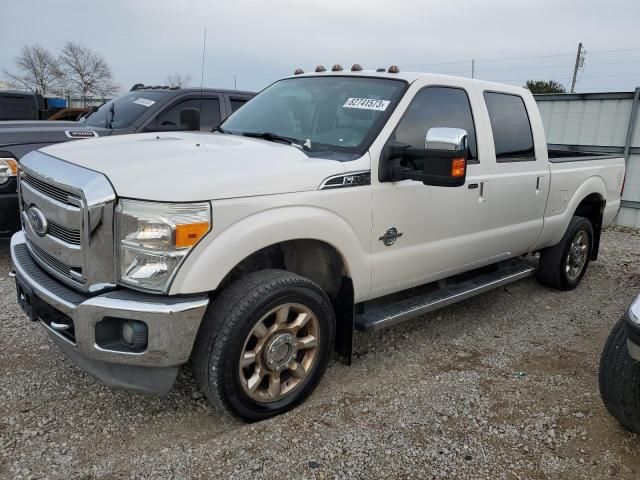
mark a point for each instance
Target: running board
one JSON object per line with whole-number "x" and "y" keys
{"x": 391, "y": 314}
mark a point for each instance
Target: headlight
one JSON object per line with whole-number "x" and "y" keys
{"x": 154, "y": 239}
{"x": 8, "y": 168}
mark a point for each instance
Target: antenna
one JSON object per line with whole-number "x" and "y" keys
{"x": 204, "y": 49}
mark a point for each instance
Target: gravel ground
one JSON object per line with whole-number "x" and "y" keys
{"x": 503, "y": 386}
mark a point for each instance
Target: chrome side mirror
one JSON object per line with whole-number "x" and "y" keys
{"x": 446, "y": 139}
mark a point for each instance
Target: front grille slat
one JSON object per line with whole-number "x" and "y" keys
{"x": 52, "y": 191}
{"x": 65, "y": 234}
{"x": 49, "y": 260}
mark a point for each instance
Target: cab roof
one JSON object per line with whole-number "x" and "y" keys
{"x": 411, "y": 77}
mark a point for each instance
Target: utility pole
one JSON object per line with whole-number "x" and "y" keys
{"x": 473, "y": 67}
{"x": 579, "y": 64}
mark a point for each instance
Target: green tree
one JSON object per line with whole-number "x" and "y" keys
{"x": 545, "y": 86}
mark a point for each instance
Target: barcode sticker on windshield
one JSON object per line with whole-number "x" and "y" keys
{"x": 145, "y": 102}
{"x": 366, "y": 104}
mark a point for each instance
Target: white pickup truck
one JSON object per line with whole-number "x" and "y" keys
{"x": 333, "y": 202}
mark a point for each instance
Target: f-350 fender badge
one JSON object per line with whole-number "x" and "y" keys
{"x": 390, "y": 236}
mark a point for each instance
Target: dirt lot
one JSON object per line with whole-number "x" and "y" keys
{"x": 501, "y": 386}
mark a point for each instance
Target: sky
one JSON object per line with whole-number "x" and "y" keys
{"x": 251, "y": 43}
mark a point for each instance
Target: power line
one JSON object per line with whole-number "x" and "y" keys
{"x": 500, "y": 59}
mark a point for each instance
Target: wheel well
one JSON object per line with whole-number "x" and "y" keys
{"x": 592, "y": 207}
{"x": 321, "y": 263}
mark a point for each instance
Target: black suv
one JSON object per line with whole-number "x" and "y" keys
{"x": 142, "y": 109}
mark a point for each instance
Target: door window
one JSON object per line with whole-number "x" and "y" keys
{"x": 437, "y": 107}
{"x": 511, "y": 128}
{"x": 236, "y": 103}
{"x": 209, "y": 109}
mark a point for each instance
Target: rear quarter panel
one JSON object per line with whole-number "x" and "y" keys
{"x": 572, "y": 182}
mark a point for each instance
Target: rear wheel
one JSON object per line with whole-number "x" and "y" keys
{"x": 620, "y": 380}
{"x": 563, "y": 265}
{"x": 264, "y": 344}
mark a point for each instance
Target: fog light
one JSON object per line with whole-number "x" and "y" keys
{"x": 135, "y": 334}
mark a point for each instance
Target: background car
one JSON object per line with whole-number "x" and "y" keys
{"x": 620, "y": 370}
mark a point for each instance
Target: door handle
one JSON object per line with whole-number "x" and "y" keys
{"x": 482, "y": 194}
{"x": 538, "y": 185}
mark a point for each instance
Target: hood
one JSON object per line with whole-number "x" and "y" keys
{"x": 42, "y": 131}
{"x": 193, "y": 166}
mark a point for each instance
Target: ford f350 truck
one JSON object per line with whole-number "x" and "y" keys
{"x": 333, "y": 202}
{"x": 143, "y": 109}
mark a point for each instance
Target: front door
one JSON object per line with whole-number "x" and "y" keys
{"x": 424, "y": 233}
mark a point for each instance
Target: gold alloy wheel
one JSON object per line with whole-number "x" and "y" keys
{"x": 279, "y": 352}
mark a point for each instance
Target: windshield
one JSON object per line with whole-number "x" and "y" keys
{"x": 342, "y": 114}
{"x": 124, "y": 110}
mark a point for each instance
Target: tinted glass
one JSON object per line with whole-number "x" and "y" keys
{"x": 327, "y": 113}
{"x": 511, "y": 128}
{"x": 209, "y": 109}
{"x": 236, "y": 103}
{"x": 437, "y": 107}
{"x": 122, "y": 111}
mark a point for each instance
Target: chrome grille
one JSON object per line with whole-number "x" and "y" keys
{"x": 77, "y": 204}
{"x": 49, "y": 260}
{"x": 63, "y": 233}
{"x": 52, "y": 191}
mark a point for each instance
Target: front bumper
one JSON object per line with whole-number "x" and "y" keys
{"x": 172, "y": 323}
{"x": 633, "y": 329}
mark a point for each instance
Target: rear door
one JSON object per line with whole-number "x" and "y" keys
{"x": 518, "y": 181}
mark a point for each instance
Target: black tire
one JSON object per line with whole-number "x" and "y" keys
{"x": 619, "y": 380}
{"x": 553, "y": 260}
{"x": 229, "y": 321}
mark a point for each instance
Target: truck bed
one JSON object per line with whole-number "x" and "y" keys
{"x": 562, "y": 153}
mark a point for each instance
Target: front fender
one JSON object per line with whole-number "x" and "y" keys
{"x": 217, "y": 254}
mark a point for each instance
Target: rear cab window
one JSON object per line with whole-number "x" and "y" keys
{"x": 512, "y": 135}
{"x": 236, "y": 103}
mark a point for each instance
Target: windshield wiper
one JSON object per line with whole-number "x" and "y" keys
{"x": 274, "y": 137}
{"x": 221, "y": 130}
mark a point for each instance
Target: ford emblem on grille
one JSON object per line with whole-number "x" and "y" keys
{"x": 37, "y": 221}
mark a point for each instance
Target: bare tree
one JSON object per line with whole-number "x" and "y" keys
{"x": 177, "y": 80}
{"x": 86, "y": 71}
{"x": 37, "y": 70}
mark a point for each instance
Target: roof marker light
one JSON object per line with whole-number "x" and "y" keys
{"x": 320, "y": 68}
{"x": 336, "y": 68}
{"x": 298, "y": 71}
{"x": 356, "y": 67}
{"x": 393, "y": 69}
{"x": 380, "y": 69}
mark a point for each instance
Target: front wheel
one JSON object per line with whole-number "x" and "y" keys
{"x": 563, "y": 265}
{"x": 264, "y": 344}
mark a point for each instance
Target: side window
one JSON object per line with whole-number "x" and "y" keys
{"x": 236, "y": 103}
{"x": 511, "y": 128}
{"x": 437, "y": 107}
{"x": 209, "y": 109}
